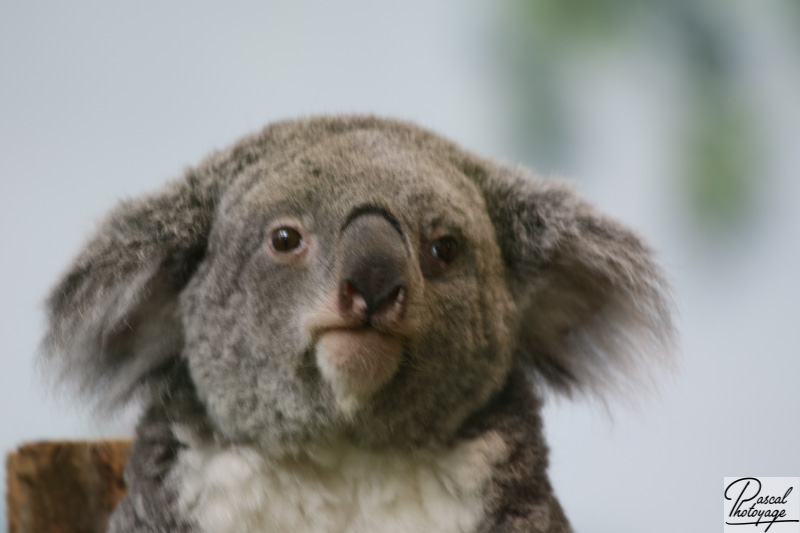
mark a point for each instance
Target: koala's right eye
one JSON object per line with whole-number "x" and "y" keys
{"x": 290, "y": 242}
{"x": 285, "y": 240}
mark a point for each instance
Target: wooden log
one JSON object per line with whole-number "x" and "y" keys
{"x": 64, "y": 487}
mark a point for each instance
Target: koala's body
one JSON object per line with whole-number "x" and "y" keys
{"x": 345, "y": 324}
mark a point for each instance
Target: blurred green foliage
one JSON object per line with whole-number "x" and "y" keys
{"x": 578, "y": 22}
{"x": 719, "y": 183}
{"x": 718, "y": 153}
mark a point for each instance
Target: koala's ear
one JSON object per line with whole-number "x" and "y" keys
{"x": 112, "y": 318}
{"x": 593, "y": 305}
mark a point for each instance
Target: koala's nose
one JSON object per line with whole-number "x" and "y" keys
{"x": 373, "y": 275}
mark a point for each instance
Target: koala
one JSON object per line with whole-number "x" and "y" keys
{"x": 348, "y": 324}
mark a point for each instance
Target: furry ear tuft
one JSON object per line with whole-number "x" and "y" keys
{"x": 112, "y": 318}
{"x": 594, "y": 308}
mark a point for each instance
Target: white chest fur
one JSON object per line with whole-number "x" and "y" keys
{"x": 344, "y": 489}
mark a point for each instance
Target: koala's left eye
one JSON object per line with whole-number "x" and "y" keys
{"x": 285, "y": 239}
{"x": 439, "y": 255}
{"x": 445, "y": 249}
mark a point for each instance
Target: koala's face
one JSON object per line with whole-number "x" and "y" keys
{"x": 354, "y": 277}
{"x": 355, "y": 288}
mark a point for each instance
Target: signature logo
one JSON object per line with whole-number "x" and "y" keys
{"x": 752, "y": 503}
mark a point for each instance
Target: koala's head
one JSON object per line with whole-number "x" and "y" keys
{"x": 354, "y": 276}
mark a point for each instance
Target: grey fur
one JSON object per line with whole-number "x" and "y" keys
{"x": 177, "y": 300}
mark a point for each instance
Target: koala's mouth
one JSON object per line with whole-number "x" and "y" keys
{"x": 356, "y": 362}
{"x": 363, "y": 354}
{"x": 356, "y": 354}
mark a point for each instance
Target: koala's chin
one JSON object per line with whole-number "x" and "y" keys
{"x": 356, "y": 363}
